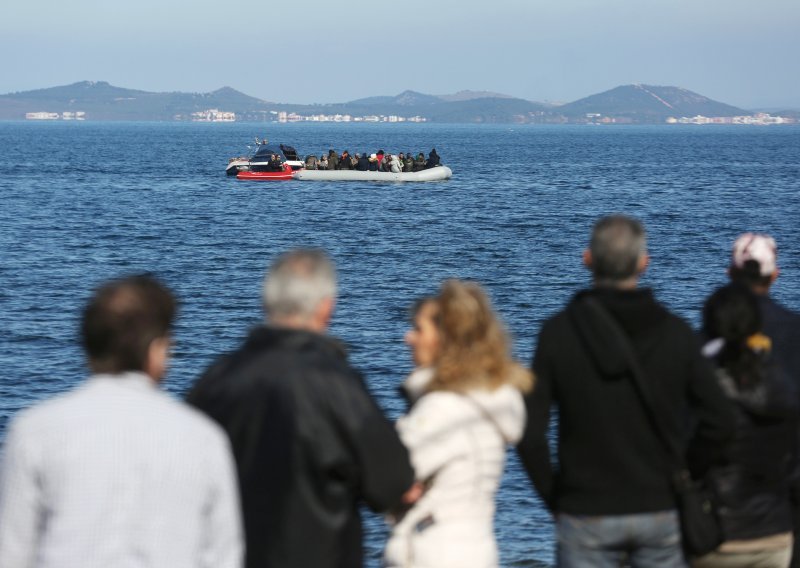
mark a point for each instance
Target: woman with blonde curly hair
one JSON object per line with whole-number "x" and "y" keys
{"x": 466, "y": 396}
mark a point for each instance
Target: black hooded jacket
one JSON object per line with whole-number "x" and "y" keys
{"x": 433, "y": 160}
{"x": 611, "y": 461}
{"x": 752, "y": 480}
{"x": 310, "y": 444}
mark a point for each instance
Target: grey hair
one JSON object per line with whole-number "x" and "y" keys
{"x": 297, "y": 281}
{"x": 616, "y": 246}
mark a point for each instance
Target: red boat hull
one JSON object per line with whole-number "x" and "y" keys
{"x": 266, "y": 176}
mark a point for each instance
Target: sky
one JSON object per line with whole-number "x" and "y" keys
{"x": 740, "y": 52}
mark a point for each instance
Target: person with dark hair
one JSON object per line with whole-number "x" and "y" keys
{"x": 611, "y": 495}
{"x": 433, "y": 160}
{"x": 419, "y": 162}
{"x": 408, "y": 163}
{"x": 333, "y": 160}
{"x": 116, "y": 471}
{"x": 754, "y": 264}
{"x": 751, "y": 481}
{"x": 363, "y": 163}
{"x": 275, "y": 164}
{"x": 344, "y": 161}
{"x": 310, "y": 443}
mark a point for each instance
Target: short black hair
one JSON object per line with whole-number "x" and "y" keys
{"x": 749, "y": 274}
{"x": 122, "y": 319}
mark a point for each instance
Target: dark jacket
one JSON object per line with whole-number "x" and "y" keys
{"x": 611, "y": 461}
{"x": 752, "y": 481}
{"x": 363, "y": 163}
{"x": 433, "y": 160}
{"x": 345, "y": 163}
{"x": 310, "y": 445}
{"x": 333, "y": 162}
{"x": 783, "y": 327}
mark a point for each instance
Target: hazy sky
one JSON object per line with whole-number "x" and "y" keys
{"x": 743, "y": 52}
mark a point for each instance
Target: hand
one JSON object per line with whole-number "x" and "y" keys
{"x": 413, "y": 494}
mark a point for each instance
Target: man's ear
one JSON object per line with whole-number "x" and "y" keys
{"x": 587, "y": 259}
{"x": 323, "y": 314}
{"x": 642, "y": 263}
{"x": 157, "y": 358}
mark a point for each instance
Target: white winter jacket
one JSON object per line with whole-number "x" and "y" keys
{"x": 457, "y": 444}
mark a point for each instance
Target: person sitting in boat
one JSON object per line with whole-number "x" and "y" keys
{"x": 395, "y": 165}
{"x": 373, "y": 162}
{"x": 381, "y": 155}
{"x": 408, "y": 163}
{"x": 323, "y": 163}
{"x": 433, "y": 160}
{"x": 274, "y": 164}
{"x": 419, "y": 162}
{"x": 363, "y": 163}
{"x": 311, "y": 162}
{"x": 344, "y": 161}
{"x": 333, "y": 160}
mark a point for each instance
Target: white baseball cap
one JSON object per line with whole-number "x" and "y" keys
{"x": 760, "y": 248}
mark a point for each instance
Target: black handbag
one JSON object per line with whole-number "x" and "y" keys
{"x": 700, "y": 526}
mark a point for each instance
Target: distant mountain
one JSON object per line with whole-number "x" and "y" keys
{"x": 467, "y": 106}
{"x": 404, "y": 99}
{"x": 470, "y": 95}
{"x": 629, "y": 103}
{"x": 648, "y": 103}
{"x": 102, "y": 101}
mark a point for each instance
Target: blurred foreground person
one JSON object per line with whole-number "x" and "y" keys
{"x": 611, "y": 495}
{"x": 754, "y": 264}
{"x": 467, "y": 407}
{"x": 309, "y": 441}
{"x": 751, "y": 483}
{"x": 116, "y": 473}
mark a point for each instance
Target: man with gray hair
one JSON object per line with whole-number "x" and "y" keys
{"x": 310, "y": 443}
{"x": 611, "y": 494}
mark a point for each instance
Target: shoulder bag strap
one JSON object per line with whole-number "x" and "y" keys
{"x": 651, "y": 405}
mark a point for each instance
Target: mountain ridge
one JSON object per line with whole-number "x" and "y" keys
{"x": 636, "y": 103}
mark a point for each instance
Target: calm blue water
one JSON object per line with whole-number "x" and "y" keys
{"x": 84, "y": 202}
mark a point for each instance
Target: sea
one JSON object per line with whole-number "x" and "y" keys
{"x": 82, "y": 202}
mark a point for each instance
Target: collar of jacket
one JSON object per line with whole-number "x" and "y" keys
{"x": 135, "y": 380}
{"x": 635, "y": 310}
{"x": 286, "y": 338}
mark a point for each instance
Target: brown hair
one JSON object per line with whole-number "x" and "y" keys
{"x": 475, "y": 351}
{"x": 122, "y": 319}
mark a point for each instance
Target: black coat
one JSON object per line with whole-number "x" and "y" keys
{"x": 310, "y": 444}
{"x": 783, "y": 327}
{"x": 433, "y": 160}
{"x": 611, "y": 461}
{"x": 363, "y": 164}
{"x": 752, "y": 480}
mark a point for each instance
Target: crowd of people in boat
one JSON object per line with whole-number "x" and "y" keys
{"x": 379, "y": 161}
{"x": 280, "y": 441}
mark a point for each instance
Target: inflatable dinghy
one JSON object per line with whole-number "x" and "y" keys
{"x": 433, "y": 174}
